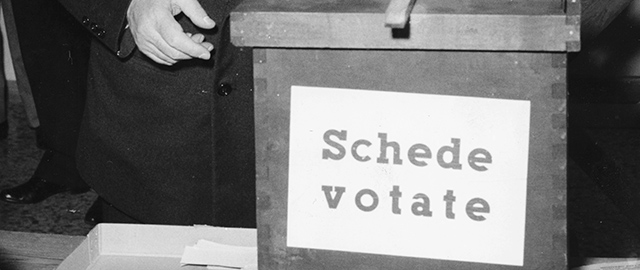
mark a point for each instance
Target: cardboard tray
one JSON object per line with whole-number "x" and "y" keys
{"x": 140, "y": 247}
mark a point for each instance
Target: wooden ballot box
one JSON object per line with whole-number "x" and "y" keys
{"x": 435, "y": 144}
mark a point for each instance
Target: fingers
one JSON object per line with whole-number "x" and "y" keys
{"x": 158, "y": 57}
{"x": 197, "y": 38}
{"x": 170, "y": 44}
{"x": 163, "y": 53}
{"x": 177, "y": 45}
{"x": 152, "y": 44}
{"x": 196, "y": 13}
{"x": 159, "y": 36}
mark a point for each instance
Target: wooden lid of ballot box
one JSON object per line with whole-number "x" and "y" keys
{"x": 494, "y": 25}
{"x": 537, "y": 25}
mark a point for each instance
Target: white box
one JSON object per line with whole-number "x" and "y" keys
{"x": 140, "y": 247}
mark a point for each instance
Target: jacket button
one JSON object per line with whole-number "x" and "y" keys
{"x": 85, "y": 21}
{"x": 93, "y": 27}
{"x": 100, "y": 33}
{"x": 225, "y": 89}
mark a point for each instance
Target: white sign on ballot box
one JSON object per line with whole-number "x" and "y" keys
{"x": 407, "y": 174}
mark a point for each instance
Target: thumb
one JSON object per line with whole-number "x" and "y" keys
{"x": 196, "y": 13}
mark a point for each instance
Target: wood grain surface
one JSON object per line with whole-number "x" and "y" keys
{"x": 33, "y": 251}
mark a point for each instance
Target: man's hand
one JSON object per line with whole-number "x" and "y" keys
{"x": 159, "y": 36}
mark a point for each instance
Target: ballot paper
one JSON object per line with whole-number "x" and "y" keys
{"x": 218, "y": 256}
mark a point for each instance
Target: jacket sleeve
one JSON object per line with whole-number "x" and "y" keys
{"x": 106, "y": 20}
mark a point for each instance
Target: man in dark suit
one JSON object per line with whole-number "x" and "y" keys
{"x": 167, "y": 136}
{"x": 55, "y": 50}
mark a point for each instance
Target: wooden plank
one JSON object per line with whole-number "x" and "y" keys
{"x": 496, "y": 7}
{"x": 397, "y": 14}
{"x": 466, "y": 27}
{"x": 28, "y": 251}
{"x": 427, "y": 31}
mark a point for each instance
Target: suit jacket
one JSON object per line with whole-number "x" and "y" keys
{"x": 169, "y": 145}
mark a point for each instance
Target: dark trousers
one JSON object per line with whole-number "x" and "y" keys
{"x": 55, "y": 52}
